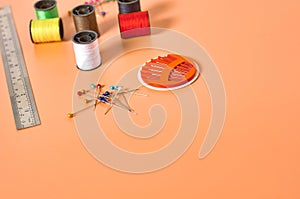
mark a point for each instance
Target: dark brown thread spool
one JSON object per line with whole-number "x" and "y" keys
{"x": 84, "y": 18}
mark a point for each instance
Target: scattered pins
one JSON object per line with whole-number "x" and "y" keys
{"x": 113, "y": 98}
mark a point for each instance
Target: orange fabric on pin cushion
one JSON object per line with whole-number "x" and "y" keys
{"x": 168, "y": 72}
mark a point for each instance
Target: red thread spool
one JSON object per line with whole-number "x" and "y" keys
{"x": 134, "y": 24}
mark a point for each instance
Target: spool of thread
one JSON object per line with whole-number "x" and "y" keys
{"x": 86, "y": 50}
{"x": 129, "y": 6}
{"x": 47, "y": 30}
{"x": 46, "y": 9}
{"x": 84, "y": 18}
{"x": 134, "y": 24}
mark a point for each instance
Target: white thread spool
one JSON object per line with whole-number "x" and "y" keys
{"x": 86, "y": 50}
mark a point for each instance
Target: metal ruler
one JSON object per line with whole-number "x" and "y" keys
{"x": 20, "y": 91}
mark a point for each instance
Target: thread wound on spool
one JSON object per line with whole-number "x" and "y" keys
{"x": 47, "y": 30}
{"x": 46, "y": 9}
{"x": 86, "y": 50}
{"x": 84, "y": 18}
{"x": 129, "y": 6}
{"x": 134, "y": 24}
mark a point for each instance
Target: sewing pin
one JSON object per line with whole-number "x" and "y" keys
{"x": 133, "y": 92}
{"x": 124, "y": 98}
{"x": 86, "y": 101}
{"x": 99, "y": 86}
{"x": 71, "y": 115}
{"x": 118, "y": 89}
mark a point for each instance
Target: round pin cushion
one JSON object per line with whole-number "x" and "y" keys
{"x": 168, "y": 72}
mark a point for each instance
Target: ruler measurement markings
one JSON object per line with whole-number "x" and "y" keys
{"x": 19, "y": 87}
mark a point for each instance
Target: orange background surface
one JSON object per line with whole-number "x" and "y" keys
{"x": 255, "y": 45}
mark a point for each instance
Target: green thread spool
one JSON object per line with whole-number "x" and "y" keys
{"x": 46, "y": 9}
